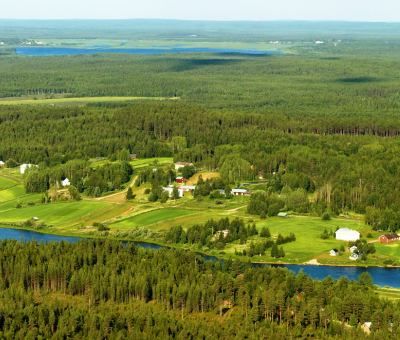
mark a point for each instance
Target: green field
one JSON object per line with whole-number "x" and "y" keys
{"x": 153, "y": 217}
{"x": 78, "y": 100}
{"x": 308, "y": 244}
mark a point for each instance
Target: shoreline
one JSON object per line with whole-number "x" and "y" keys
{"x": 172, "y": 246}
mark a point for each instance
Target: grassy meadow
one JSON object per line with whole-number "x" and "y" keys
{"x": 79, "y": 100}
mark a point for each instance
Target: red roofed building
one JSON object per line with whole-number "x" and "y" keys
{"x": 389, "y": 238}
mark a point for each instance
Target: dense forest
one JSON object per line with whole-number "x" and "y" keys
{"x": 104, "y": 289}
{"x": 344, "y": 171}
{"x": 309, "y": 129}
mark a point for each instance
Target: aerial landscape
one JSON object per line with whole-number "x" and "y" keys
{"x": 200, "y": 177}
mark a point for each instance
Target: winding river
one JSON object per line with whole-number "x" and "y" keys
{"x": 381, "y": 276}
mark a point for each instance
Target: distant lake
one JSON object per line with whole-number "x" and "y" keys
{"x": 65, "y": 51}
{"x": 381, "y": 276}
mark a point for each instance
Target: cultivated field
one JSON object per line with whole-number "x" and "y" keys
{"x": 78, "y": 100}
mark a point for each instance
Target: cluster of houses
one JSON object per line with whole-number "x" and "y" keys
{"x": 182, "y": 187}
{"x": 349, "y": 235}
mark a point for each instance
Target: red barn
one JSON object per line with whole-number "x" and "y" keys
{"x": 388, "y": 238}
{"x": 180, "y": 180}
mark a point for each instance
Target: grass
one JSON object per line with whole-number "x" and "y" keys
{"x": 144, "y": 163}
{"x": 78, "y": 100}
{"x": 64, "y": 215}
{"x": 78, "y": 217}
{"x": 388, "y": 293}
{"x": 137, "y": 163}
{"x": 6, "y": 183}
{"x": 153, "y": 217}
{"x": 308, "y": 244}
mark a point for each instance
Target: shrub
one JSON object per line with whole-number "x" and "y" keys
{"x": 326, "y": 216}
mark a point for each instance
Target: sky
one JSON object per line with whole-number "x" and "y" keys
{"x": 347, "y": 10}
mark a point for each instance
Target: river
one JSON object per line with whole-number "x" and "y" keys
{"x": 381, "y": 276}
{"x": 66, "y": 51}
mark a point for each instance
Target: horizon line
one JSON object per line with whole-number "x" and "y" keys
{"x": 209, "y": 20}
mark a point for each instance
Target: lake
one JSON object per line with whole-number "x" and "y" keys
{"x": 381, "y": 276}
{"x": 68, "y": 51}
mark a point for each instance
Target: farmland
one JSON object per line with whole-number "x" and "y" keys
{"x": 123, "y": 218}
{"x": 69, "y": 101}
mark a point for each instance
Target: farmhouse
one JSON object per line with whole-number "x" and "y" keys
{"x": 65, "y": 183}
{"x": 188, "y": 188}
{"x": 223, "y": 233}
{"x": 334, "y": 252}
{"x": 180, "y": 180}
{"x": 24, "y": 167}
{"x": 354, "y": 257}
{"x": 353, "y": 249}
{"x": 389, "y": 238}
{"x": 345, "y": 234}
{"x": 180, "y": 165}
{"x": 170, "y": 190}
{"x": 2, "y": 164}
{"x": 239, "y": 192}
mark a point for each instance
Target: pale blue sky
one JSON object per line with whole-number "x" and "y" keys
{"x": 350, "y": 10}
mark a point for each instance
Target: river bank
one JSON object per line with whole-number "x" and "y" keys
{"x": 382, "y": 276}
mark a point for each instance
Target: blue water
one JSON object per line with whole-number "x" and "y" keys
{"x": 65, "y": 51}
{"x": 381, "y": 276}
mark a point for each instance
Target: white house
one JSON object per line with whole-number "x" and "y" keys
{"x": 334, "y": 252}
{"x": 354, "y": 257}
{"x": 24, "y": 167}
{"x": 282, "y": 214}
{"x": 187, "y": 188}
{"x": 170, "y": 190}
{"x": 345, "y": 234}
{"x": 180, "y": 165}
{"x": 239, "y": 192}
{"x": 65, "y": 183}
{"x": 353, "y": 249}
{"x": 224, "y": 234}
{"x": 2, "y": 164}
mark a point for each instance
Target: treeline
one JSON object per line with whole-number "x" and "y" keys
{"x": 213, "y": 234}
{"x": 88, "y": 180}
{"x": 342, "y": 172}
{"x": 103, "y": 289}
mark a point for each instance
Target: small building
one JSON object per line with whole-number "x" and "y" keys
{"x": 334, "y": 252}
{"x": 132, "y": 156}
{"x": 188, "y": 188}
{"x": 24, "y": 167}
{"x": 180, "y": 180}
{"x": 366, "y": 327}
{"x": 389, "y": 238}
{"x": 2, "y": 164}
{"x": 240, "y": 192}
{"x": 283, "y": 214}
{"x": 353, "y": 249}
{"x": 170, "y": 190}
{"x": 345, "y": 234}
{"x": 224, "y": 233}
{"x": 180, "y": 165}
{"x": 354, "y": 257}
{"x": 65, "y": 182}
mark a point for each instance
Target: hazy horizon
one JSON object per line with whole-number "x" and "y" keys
{"x": 207, "y": 10}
